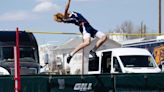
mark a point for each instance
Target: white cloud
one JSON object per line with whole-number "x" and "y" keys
{"x": 49, "y": 5}
{"x": 42, "y": 6}
{"x": 84, "y": 0}
{"x": 16, "y": 16}
{"x": 45, "y": 6}
{"x": 43, "y": 0}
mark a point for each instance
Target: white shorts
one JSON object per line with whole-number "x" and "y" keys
{"x": 98, "y": 34}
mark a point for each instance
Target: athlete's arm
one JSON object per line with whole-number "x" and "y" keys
{"x": 70, "y": 20}
{"x": 67, "y": 8}
{"x": 81, "y": 25}
{"x": 81, "y": 28}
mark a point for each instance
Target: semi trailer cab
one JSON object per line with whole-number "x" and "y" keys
{"x": 29, "y": 55}
{"x": 123, "y": 60}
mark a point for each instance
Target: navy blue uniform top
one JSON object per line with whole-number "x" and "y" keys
{"x": 78, "y": 19}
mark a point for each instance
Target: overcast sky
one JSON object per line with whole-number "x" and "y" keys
{"x": 104, "y": 15}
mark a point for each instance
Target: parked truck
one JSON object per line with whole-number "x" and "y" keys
{"x": 123, "y": 60}
{"x": 29, "y": 56}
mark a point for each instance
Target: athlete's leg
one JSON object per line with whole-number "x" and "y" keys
{"x": 86, "y": 42}
{"x": 102, "y": 38}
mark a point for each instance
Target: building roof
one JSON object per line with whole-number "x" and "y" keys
{"x": 72, "y": 43}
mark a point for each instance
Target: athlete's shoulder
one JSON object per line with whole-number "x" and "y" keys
{"x": 76, "y": 12}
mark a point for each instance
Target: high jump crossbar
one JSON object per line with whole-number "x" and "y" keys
{"x": 113, "y": 34}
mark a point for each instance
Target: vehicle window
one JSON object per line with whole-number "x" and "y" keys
{"x": 25, "y": 52}
{"x": 0, "y": 53}
{"x": 137, "y": 61}
{"x": 8, "y": 53}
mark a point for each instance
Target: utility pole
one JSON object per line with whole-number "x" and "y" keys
{"x": 144, "y": 30}
{"x": 159, "y": 16}
{"x": 141, "y": 31}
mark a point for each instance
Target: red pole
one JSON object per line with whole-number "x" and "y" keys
{"x": 17, "y": 62}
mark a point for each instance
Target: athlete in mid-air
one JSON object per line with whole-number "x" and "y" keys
{"x": 84, "y": 27}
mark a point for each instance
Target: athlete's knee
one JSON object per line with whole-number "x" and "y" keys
{"x": 86, "y": 43}
{"x": 104, "y": 38}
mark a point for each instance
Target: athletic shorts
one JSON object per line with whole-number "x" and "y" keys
{"x": 98, "y": 34}
{"x": 89, "y": 31}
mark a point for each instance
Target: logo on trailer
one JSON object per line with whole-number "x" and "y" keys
{"x": 83, "y": 86}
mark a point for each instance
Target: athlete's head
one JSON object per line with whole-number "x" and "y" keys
{"x": 58, "y": 17}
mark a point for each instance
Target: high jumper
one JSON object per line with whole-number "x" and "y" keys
{"x": 85, "y": 28}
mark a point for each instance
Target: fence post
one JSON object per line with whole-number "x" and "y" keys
{"x": 17, "y": 63}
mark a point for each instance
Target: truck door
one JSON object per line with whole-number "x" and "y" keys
{"x": 106, "y": 62}
{"x": 93, "y": 64}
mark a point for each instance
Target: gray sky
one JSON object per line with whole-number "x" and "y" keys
{"x": 104, "y": 15}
